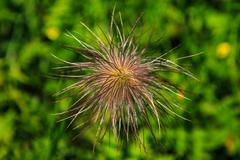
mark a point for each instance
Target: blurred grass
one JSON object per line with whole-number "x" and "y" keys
{"x": 31, "y": 30}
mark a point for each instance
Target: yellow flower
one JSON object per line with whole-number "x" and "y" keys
{"x": 52, "y": 33}
{"x": 223, "y": 50}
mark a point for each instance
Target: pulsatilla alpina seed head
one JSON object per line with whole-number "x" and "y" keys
{"x": 119, "y": 89}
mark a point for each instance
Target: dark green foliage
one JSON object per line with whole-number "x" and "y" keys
{"x": 30, "y": 30}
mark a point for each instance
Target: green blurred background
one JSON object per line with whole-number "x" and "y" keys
{"x": 30, "y": 30}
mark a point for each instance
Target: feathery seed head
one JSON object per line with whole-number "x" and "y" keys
{"x": 123, "y": 89}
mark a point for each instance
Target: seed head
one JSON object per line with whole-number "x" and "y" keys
{"x": 119, "y": 89}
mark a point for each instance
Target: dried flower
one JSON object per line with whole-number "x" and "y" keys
{"x": 120, "y": 89}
